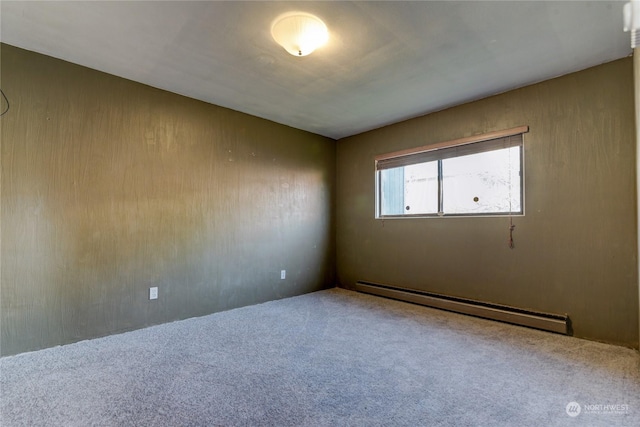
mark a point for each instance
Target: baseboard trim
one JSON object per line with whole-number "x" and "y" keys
{"x": 558, "y": 323}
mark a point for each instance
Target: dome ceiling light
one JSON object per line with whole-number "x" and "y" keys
{"x": 299, "y": 33}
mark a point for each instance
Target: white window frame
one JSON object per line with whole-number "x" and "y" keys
{"x": 449, "y": 149}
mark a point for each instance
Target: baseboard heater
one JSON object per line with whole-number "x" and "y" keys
{"x": 546, "y": 321}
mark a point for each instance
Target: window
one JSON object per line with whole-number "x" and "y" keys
{"x": 480, "y": 175}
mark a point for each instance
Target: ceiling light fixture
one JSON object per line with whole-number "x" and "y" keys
{"x": 299, "y": 33}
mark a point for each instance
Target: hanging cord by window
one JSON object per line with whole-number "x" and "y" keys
{"x": 511, "y": 228}
{"x": 5, "y": 100}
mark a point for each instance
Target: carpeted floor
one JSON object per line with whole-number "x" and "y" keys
{"x": 331, "y": 358}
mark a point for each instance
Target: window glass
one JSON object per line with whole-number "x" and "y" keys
{"x": 457, "y": 178}
{"x": 421, "y": 188}
{"x": 482, "y": 183}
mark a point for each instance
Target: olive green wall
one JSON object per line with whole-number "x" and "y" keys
{"x": 110, "y": 187}
{"x": 636, "y": 86}
{"x": 575, "y": 249}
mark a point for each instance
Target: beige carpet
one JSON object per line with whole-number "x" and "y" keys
{"x": 331, "y": 358}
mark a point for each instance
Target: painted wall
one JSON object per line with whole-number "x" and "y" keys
{"x": 110, "y": 187}
{"x": 575, "y": 249}
{"x": 636, "y": 87}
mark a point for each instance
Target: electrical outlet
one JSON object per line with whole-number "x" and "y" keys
{"x": 283, "y": 274}
{"x": 153, "y": 292}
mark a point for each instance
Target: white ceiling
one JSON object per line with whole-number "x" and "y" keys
{"x": 385, "y": 61}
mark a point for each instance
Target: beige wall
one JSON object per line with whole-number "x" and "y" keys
{"x": 110, "y": 187}
{"x": 575, "y": 249}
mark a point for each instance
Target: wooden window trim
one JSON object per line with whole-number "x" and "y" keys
{"x": 455, "y": 143}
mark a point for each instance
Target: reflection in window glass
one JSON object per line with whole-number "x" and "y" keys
{"x": 482, "y": 183}
{"x": 409, "y": 190}
{"x": 392, "y": 191}
{"x": 421, "y": 188}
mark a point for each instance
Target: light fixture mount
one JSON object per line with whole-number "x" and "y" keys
{"x": 299, "y": 33}
{"x": 631, "y": 13}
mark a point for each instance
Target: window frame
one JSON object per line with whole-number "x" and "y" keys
{"x": 440, "y": 151}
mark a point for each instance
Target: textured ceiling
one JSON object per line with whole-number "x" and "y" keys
{"x": 385, "y": 61}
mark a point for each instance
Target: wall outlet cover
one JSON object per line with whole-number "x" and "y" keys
{"x": 153, "y": 292}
